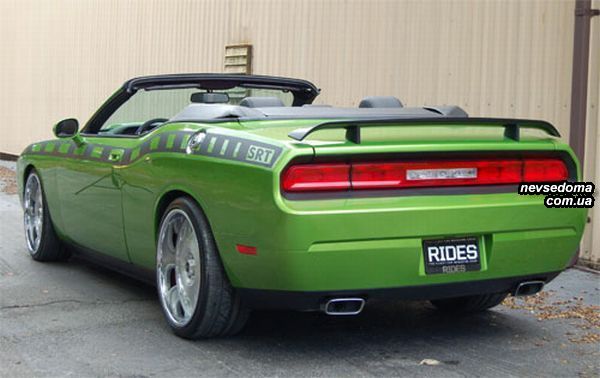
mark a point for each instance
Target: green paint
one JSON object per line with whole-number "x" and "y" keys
{"x": 211, "y": 144}
{"x": 224, "y": 147}
{"x": 184, "y": 142}
{"x": 49, "y": 147}
{"x": 97, "y": 152}
{"x": 171, "y": 141}
{"x": 134, "y": 154}
{"x": 80, "y": 150}
{"x": 154, "y": 143}
{"x": 236, "y": 151}
{"x": 64, "y": 148}
{"x": 319, "y": 244}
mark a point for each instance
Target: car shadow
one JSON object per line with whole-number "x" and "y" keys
{"x": 132, "y": 286}
{"x": 381, "y": 326}
{"x": 416, "y": 319}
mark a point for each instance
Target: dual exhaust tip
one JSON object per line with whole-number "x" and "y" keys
{"x": 354, "y": 306}
{"x": 343, "y": 306}
{"x": 528, "y": 288}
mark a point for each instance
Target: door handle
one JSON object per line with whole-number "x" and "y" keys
{"x": 115, "y": 156}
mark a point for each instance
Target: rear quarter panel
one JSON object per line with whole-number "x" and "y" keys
{"x": 236, "y": 196}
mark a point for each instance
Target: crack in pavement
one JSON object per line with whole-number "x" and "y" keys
{"x": 78, "y": 301}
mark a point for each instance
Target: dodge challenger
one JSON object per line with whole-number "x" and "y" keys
{"x": 235, "y": 192}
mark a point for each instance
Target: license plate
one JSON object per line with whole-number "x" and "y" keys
{"x": 451, "y": 255}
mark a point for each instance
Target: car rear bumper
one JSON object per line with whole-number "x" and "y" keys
{"x": 376, "y": 243}
{"x": 313, "y": 300}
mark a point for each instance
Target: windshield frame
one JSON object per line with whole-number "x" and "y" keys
{"x": 304, "y": 92}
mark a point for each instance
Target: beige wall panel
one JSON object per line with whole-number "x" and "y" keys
{"x": 494, "y": 58}
{"x": 63, "y": 58}
{"x": 590, "y": 251}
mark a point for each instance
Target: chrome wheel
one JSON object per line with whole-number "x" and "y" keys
{"x": 34, "y": 212}
{"x": 178, "y": 267}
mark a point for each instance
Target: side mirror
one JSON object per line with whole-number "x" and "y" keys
{"x": 67, "y": 128}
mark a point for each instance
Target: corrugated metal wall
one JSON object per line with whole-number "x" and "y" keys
{"x": 505, "y": 58}
{"x": 63, "y": 58}
{"x": 590, "y": 251}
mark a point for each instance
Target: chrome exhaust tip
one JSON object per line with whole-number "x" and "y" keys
{"x": 528, "y": 288}
{"x": 343, "y": 306}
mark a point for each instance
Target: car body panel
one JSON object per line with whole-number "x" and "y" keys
{"x": 82, "y": 185}
{"x": 301, "y": 243}
{"x": 350, "y": 242}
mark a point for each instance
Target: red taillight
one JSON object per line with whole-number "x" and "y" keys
{"x": 412, "y": 174}
{"x": 246, "y": 249}
{"x": 536, "y": 170}
{"x": 377, "y": 175}
{"x": 316, "y": 177}
{"x": 432, "y": 174}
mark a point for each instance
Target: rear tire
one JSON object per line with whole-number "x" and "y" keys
{"x": 196, "y": 297}
{"x": 470, "y": 304}
{"x": 42, "y": 242}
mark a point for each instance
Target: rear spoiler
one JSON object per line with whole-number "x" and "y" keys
{"x": 511, "y": 126}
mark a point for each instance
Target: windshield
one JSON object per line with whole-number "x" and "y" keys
{"x": 162, "y": 104}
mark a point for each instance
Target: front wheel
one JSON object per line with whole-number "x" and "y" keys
{"x": 196, "y": 297}
{"x": 473, "y": 303}
{"x": 42, "y": 242}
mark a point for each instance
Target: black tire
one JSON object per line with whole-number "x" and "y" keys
{"x": 470, "y": 304}
{"x": 219, "y": 311}
{"x": 50, "y": 247}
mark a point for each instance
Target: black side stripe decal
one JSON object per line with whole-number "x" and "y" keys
{"x": 239, "y": 149}
{"x": 214, "y": 145}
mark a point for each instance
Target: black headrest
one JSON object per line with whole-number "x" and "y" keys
{"x": 380, "y": 102}
{"x": 261, "y": 102}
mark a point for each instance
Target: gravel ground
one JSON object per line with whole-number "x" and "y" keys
{"x": 76, "y": 319}
{"x": 8, "y": 184}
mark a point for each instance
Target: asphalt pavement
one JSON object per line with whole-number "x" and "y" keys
{"x": 77, "y": 319}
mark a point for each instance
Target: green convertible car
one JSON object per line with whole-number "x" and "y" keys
{"x": 233, "y": 192}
